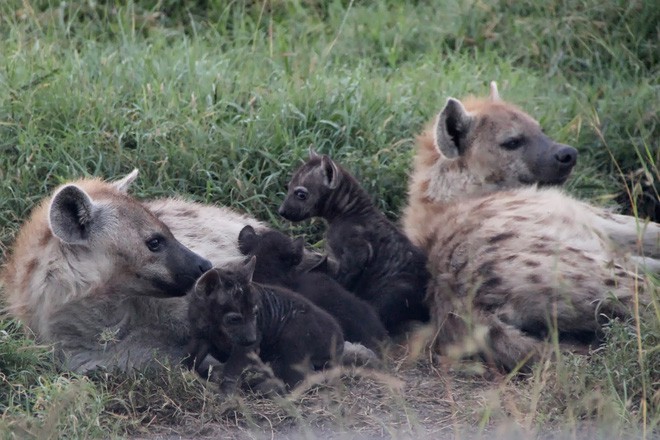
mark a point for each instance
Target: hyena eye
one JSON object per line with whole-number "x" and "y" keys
{"x": 233, "y": 319}
{"x": 300, "y": 193}
{"x": 155, "y": 243}
{"x": 512, "y": 144}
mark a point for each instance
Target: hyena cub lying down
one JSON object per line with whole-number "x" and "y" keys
{"x": 92, "y": 271}
{"x": 377, "y": 262}
{"x": 278, "y": 258}
{"x": 234, "y": 318}
{"x": 509, "y": 261}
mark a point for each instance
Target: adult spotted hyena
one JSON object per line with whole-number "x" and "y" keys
{"x": 102, "y": 277}
{"x": 512, "y": 262}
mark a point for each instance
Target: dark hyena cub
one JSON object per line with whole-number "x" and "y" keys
{"x": 233, "y": 319}
{"x": 278, "y": 259}
{"x": 376, "y": 261}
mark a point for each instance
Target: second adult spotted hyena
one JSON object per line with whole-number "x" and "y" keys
{"x": 513, "y": 262}
{"x": 92, "y": 269}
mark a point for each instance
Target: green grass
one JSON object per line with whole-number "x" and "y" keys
{"x": 221, "y": 100}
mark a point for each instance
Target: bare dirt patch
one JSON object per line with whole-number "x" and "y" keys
{"x": 404, "y": 399}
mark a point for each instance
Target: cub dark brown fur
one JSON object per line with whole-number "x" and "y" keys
{"x": 233, "y": 318}
{"x": 278, "y": 259}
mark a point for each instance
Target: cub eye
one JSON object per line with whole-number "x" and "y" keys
{"x": 233, "y": 319}
{"x": 300, "y": 193}
{"x": 155, "y": 243}
{"x": 512, "y": 144}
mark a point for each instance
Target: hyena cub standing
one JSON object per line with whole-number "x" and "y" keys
{"x": 91, "y": 272}
{"x": 278, "y": 259}
{"x": 233, "y": 318}
{"x": 512, "y": 264}
{"x": 377, "y": 262}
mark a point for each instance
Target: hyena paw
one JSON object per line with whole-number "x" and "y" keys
{"x": 227, "y": 386}
{"x": 259, "y": 378}
{"x": 359, "y": 355}
{"x": 269, "y": 387}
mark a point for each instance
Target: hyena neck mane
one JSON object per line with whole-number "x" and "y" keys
{"x": 348, "y": 199}
{"x": 439, "y": 180}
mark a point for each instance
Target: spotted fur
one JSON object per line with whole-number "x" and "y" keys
{"x": 512, "y": 263}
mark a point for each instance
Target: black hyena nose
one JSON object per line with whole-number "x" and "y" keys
{"x": 280, "y": 210}
{"x": 566, "y": 156}
{"x": 204, "y": 265}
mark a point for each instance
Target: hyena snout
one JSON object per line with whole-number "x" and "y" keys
{"x": 291, "y": 213}
{"x": 187, "y": 267}
{"x": 550, "y": 163}
{"x": 247, "y": 336}
{"x": 566, "y": 156}
{"x": 563, "y": 161}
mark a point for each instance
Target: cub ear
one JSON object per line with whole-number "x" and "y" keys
{"x": 247, "y": 240}
{"x": 321, "y": 266}
{"x": 330, "y": 172}
{"x": 71, "y": 214}
{"x": 124, "y": 183}
{"x": 451, "y": 129}
{"x": 312, "y": 153}
{"x": 208, "y": 283}
{"x": 250, "y": 264}
{"x": 298, "y": 250}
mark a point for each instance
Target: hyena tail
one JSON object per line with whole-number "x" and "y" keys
{"x": 641, "y": 238}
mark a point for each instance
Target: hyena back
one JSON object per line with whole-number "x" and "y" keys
{"x": 509, "y": 261}
{"x": 85, "y": 272}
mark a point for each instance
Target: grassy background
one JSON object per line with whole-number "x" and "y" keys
{"x": 220, "y": 100}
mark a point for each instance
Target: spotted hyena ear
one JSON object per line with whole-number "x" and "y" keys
{"x": 330, "y": 172}
{"x": 124, "y": 183}
{"x": 208, "y": 283}
{"x": 494, "y": 94}
{"x": 72, "y": 214}
{"x": 321, "y": 266}
{"x": 451, "y": 128}
{"x": 248, "y": 269}
{"x": 247, "y": 240}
